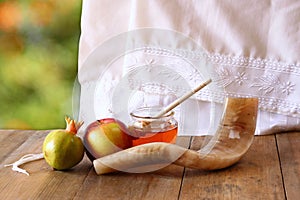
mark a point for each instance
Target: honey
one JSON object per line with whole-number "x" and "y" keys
{"x": 168, "y": 136}
{"x": 147, "y": 128}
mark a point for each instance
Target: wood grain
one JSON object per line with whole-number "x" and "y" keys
{"x": 162, "y": 184}
{"x": 43, "y": 182}
{"x": 289, "y": 151}
{"x": 256, "y": 176}
{"x": 265, "y": 172}
{"x": 11, "y": 140}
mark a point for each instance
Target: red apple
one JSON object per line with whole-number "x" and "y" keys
{"x": 106, "y": 136}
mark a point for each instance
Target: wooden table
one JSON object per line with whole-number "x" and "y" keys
{"x": 269, "y": 170}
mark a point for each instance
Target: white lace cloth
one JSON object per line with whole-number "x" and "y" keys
{"x": 252, "y": 47}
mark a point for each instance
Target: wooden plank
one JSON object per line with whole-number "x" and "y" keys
{"x": 289, "y": 151}
{"x": 10, "y": 140}
{"x": 43, "y": 182}
{"x": 162, "y": 184}
{"x": 256, "y": 176}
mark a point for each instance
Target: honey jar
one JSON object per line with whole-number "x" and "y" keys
{"x": 146, "y": 127}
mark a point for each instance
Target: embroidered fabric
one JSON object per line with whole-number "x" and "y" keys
{"x": 145, "y": 75}
{"x": 234, "y": 76}
{"x": 248, "y": 56}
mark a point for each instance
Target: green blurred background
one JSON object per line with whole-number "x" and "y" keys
{"x": 38, "y": 62}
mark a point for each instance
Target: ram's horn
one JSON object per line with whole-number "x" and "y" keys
{"x": 231, "y": 141}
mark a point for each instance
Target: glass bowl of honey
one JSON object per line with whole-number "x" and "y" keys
{"x": 146, "y": 127}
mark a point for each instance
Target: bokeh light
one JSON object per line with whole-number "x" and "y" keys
{"x": 38, "y": 62}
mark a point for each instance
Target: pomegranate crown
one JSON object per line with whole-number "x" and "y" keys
{"x": 72, "y": 125}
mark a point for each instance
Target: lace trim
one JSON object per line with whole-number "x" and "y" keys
{"x": 255, "y": 63}
{"x": 221, "y": 59}
{"x": 275, "y": 83}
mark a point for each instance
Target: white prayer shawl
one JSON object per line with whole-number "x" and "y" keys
{"x": 252, "y": 49}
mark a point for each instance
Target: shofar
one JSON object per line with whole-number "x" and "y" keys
{"x": 231, "y": 141}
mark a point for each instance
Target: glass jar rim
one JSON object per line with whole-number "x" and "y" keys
{"x": 158, "y": 108}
